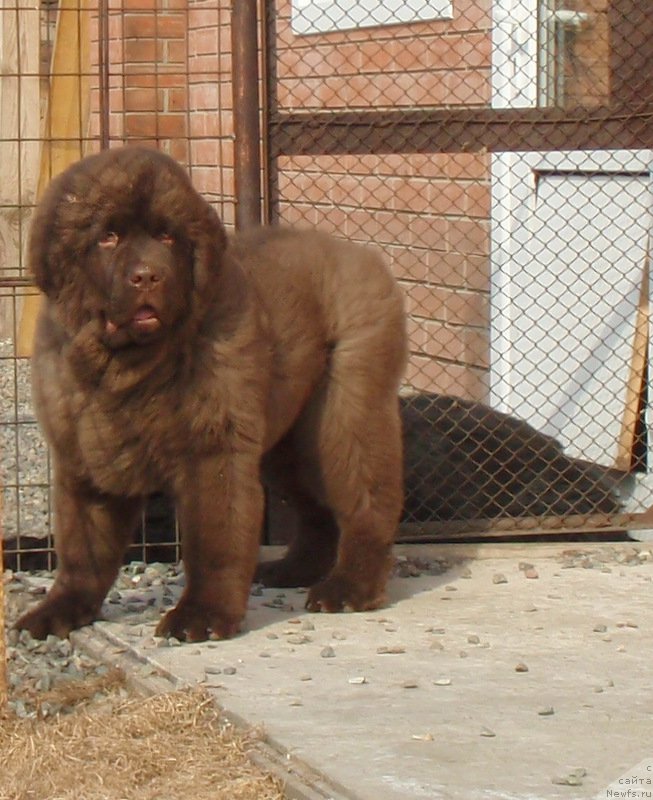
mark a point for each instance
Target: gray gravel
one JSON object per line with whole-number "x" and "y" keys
{"x": 139, "y": 596}
{"x": 604, "y": 558}
{"x": 142, "y": 592}
{"x": 35, "y": 668}
{"x": 39, "y": 672}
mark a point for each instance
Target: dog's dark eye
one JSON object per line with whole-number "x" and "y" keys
{"x": 166, "y": 238}
{"x": 108, "y": 240}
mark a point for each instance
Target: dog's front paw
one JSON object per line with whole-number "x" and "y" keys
{"x": 191, "y": 622}
{"x": 339, "y": 593}
{"x": 58, "y": 615}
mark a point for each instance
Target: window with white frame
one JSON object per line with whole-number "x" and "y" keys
{"x": 321, "y": 16}
{"x": 515, "y": 62}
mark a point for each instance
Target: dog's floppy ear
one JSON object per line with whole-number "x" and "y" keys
{"x": 43, "y": 251}
{"x": 59, "y": 229}
{"x": 210, "y": 241}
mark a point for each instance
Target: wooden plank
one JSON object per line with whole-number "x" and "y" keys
{"x": 637, "y": 374}
{"x": 525, "y": 527}
{"x": 477, "y": 551}
{"x": 19, "y": 148}
{"x": 66, "y": 121}
{"x": 452, "y": 130}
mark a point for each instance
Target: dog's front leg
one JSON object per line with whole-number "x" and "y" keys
{"x": 92, "y": 531}
{"x": 220, "y": 508}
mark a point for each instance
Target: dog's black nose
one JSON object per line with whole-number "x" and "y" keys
{"x": 143, "y": 276}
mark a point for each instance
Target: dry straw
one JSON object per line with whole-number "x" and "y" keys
{"x": 163, "y": 747}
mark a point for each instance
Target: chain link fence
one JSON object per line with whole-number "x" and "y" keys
{"x": 497, "y": 152}
{"x": 77, "y": 76}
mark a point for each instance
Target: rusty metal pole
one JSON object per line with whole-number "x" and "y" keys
{"x": 246, "y": 110}
{"x": 103, "y": 71}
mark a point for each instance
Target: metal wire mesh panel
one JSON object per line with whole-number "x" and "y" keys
{"x": 24, "y": 466}
{"x": 365, "y": 56}
{"x": 499, "y": 154}
{"x": 77, "y": 77}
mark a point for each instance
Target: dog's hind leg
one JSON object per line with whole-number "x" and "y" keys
{"x": 362, "y": 482}
{"x": 352, "y": 429}
{"x": 312, "y": 548}
{"x": 311, "y": 552}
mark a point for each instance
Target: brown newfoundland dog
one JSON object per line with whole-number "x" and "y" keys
{"x": 168, "y": 359}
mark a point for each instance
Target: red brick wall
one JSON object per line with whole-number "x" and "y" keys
{"x": 428, "y": 213}
{"x": 210, "y": 103}
{"x": 148, "y": 88}
{"x": 171, "y": 87}
{"x": 170, "y": 73}
{"x": 444, "y": 62}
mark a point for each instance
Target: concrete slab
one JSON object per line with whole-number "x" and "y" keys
{"x": 480, "y": 682}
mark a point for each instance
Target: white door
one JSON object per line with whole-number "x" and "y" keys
{"x": 569, "y": 274}
{"x": 570, "y": 237}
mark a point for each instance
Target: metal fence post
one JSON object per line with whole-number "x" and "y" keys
{"x": 246, "y": 111}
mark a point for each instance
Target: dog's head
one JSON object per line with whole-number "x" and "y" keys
{"x": 122, "y": 237}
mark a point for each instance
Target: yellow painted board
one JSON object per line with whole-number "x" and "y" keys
{"x": 637, "y": 374}
{"x": 66, "y": 121}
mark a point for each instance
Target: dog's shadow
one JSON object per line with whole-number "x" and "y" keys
{"x": 268, "y": 608}
{"x": 402, "y": 588}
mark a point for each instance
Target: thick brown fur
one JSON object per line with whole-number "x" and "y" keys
{"x": 167, "y": 359}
